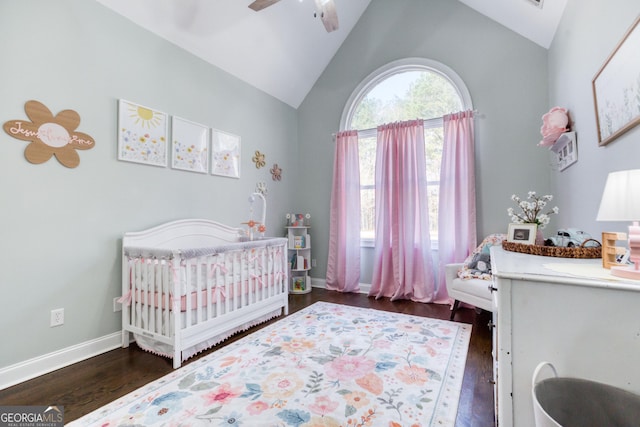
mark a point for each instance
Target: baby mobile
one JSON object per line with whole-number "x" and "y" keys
{"x": 259, "y": 227}
{"x": 253, "y": 226}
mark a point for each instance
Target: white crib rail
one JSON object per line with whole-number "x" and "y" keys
{"x": 172, "y": 296}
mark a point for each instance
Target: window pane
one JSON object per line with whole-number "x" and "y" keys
{"x": 367, "y": 155}
{"x": 368, "y": 213}
{"x": 433, "y": 139}
{"x": 403, "y": 96}
{"x": 433, "y": 191}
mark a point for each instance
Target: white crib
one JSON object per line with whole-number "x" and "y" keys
{"x": 189, "y": 284}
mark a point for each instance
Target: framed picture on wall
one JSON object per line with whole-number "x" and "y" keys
{"x": 566, "y": 150}
{"x": 616, "y": 88}
{"x": 225, "y": 154}
{"x": 189, "y": 145}
{"x": 522, "y": 233}
{"x": 142, "y": 134}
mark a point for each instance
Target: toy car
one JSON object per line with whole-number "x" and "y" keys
{"x": 570, "y": 237}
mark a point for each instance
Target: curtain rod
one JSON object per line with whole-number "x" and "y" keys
{"x": 476, "y": 113}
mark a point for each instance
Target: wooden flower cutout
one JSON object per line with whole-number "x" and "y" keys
{"x": 259, "y": 159}
{"x": 276, "y": 172}
{"x": 49, "y": 135}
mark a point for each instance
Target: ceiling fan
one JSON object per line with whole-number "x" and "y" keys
{"x": 325, "y": 8}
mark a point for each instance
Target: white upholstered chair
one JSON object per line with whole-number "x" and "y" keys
{"x": 476, "y": 292}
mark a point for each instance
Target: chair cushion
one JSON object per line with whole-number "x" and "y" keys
{"x": 478, "y": 263}
{"x": 475, "y": 287}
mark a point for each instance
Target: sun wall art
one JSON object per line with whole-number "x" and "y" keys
{"x": 142, "y": 134}
{"x": 50, "y": 135}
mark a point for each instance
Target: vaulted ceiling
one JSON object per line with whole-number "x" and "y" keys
{"x": 283, "y": 49}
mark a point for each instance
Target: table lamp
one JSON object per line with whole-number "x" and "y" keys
{"x": 621, "y": 202}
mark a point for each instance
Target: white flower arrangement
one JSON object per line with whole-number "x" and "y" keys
{"x": 532, "y": 210}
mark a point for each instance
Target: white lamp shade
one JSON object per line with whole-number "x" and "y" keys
{"x": 621, "y": 197}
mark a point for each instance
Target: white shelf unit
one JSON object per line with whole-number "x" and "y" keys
{"x": 299, "y": 256}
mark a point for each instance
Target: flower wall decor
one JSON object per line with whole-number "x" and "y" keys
{"x": 261, "y": 187}
{"x": 554, "y": 124}
{"x": 50, "y": 135}
{"x": 532, "y": 210}
{"x": 276, "y": 172}
{"x": 259, "y": 159}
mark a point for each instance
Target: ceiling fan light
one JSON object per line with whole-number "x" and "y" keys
{"x": 537, "y": 3}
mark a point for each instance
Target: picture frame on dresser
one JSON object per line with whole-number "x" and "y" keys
{"x": 522, "y": 233}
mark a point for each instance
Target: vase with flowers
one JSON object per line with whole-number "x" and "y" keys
{"x": 532, "y": 211}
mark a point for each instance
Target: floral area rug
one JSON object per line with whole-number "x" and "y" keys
{"x": 325, "y": 365}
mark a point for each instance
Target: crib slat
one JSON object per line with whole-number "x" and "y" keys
{"x": 157, "y": 310}
{"x": 135, "y": 293}
{"x": 199, "y": 287}
{"x": 244, "y": 267}
{"x": 189, "y": 278}
{"x": 228, "y": 260}
{"x": 165, "y": 299}
{"x": 208, "y": 281}
{"x": 151, "y": 287}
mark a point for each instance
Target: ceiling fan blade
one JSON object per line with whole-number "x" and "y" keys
{"x": 261, "y": 4}
{"x": 328, "y": 14}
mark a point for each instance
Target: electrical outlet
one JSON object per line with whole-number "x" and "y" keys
{"x": 313, "y": 262}
{"x": 116, "y": 305}
{"x": 57, "y": 317}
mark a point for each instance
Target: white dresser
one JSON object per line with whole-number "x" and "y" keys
{"x": 569, "y": 312}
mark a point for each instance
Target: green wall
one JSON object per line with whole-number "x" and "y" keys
{"x": 588, "y": 33}
{"x": 505, "y": 73}
{"x": 61, "y": 228}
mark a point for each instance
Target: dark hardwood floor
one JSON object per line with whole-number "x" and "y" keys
{"x": 90, "y": 384}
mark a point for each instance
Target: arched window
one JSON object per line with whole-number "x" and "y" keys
{"x": 413, "y": 88}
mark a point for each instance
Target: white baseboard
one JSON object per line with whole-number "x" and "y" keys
{"x": 29, "y": 369}
{"x": 32, "y": 368}
{"x": 322, "y": 283}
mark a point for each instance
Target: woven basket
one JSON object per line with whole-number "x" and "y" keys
{"x": 556, "y": 251}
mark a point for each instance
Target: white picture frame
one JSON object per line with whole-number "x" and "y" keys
{"x": 522, "y": 233}
{"x": 565, "y": 150}
{"x": 142, "y": 134}
{"x": 225, "y": 154}
{"x": 189, "y": 145}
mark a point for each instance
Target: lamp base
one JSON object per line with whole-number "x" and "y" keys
{"x": 628, "y": 272}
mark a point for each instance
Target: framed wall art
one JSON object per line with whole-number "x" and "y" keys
{"x": 189, "y": 145}
{"x": 565, "y": 150}
{"x": 225, "y": 154}
{"x": 522, "y": 233}
{"x": 616, "y": 88}
{"x": 142, "y": 134}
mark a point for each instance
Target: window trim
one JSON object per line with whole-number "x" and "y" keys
{"x": 401, "y": 66}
